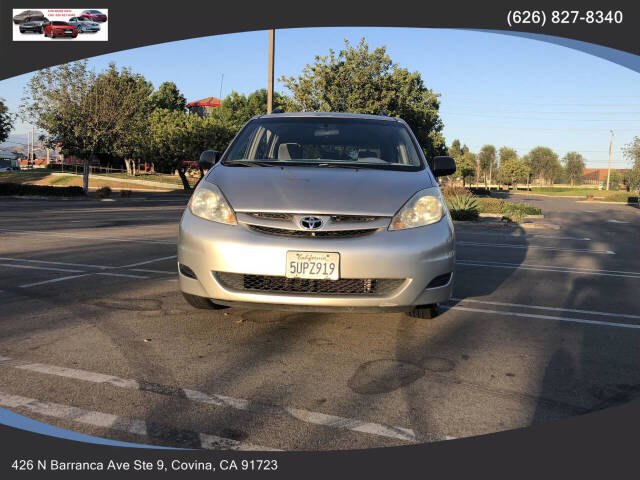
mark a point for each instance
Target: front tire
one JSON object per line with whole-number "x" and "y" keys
{"x": 202, "y": 303}
{"x": 424, "y": 311}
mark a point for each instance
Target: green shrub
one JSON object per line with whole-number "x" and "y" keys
{"x": 462, "y": 207}
{"x": 44, "y": 190}
{"x": 103, "y": 192}
{"x": 490, "y": 205}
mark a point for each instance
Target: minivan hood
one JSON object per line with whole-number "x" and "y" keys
{"x": 318, "y": 190}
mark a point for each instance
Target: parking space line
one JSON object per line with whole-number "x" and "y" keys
{"x": 307, "y": 416}
{"x": 537, "y": 247}
{"x": 120, "y": 275}
{"x": 59, "y": 279}
{"x": 539, "y": 307}
{"x": 87, "y": 237}
{"x": 46, "y": 262}
{"x": 149, "y": 261}
{"x": 529, "y": 235}
{"x": 543, "y": 317}
{"x": 128, "y": 425}
{"x": 168, "y": 272}
{"x": 548, "y": 268}
{"x": 38, "y": 268}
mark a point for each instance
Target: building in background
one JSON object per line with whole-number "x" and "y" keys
{"x": 203, "y": 107}
{"x": 595, "y": 176}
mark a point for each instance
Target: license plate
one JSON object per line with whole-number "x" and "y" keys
{"x": 313, "y": 265}
{"x": 67, "y": 31}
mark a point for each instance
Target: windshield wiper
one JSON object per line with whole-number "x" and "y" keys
{"x": 248, "y": 163}
{"x": 338, "y": 165}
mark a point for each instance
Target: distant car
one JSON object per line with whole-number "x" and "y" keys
{"x": 5, "y": 168}
{"x": 34, "y": 25}
{"x": 94, "y": 15}
{"x": 60, "y": 29}
{"x": 27, "y": 16}
{"x": 83, "y": 24}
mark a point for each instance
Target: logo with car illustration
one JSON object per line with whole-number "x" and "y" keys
{"x": 47, "y": 24}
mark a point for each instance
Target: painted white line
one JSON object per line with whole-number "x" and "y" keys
{"x": 114, "y": 422}
{"x": 616, "y": 221}
{"x": 53, "y": 263}
{"x": 539, "y": 307}
{"x": 529, "y": 235}
{"x": 544, "y": 317}
{"x": 120, "y": 275}
{"x": 38, "y": 268}
{"x": 149, "y": 261}
{"x": 168, "y": 272}
{"x": 86, "y": 237}
{"x": 54, "y": 280}
{"x": 537, "y": 247}
{"x": 307, "y": 416}
{"x": 548, "y": 268}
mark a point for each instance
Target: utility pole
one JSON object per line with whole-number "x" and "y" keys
{"x": 272, "y": 39}
{"x": 610, "y": 155}
{"x": 221, "y": 80}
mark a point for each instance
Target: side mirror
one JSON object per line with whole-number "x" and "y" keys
{"x": 441, "y": 166}
{"x": 208, "y": 158}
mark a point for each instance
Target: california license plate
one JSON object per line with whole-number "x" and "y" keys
{"x": 313, "y": 265}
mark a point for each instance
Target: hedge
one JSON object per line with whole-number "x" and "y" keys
{"x": 7, "y": 188}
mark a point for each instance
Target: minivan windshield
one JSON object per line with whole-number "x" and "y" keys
{"x": 325, "y": 142}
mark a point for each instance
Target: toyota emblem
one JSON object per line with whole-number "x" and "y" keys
{"x": 311, "y": 223}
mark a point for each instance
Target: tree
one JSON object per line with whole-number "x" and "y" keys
{"x": 87, "y": 113}
{"x": 513, "y": 170}
{"x": 236, "y": 109}
{"x": 466, "y": 167}
{"x": 487, "y": 161}
{"x": 614, "y": 181}
{"x": 168, "y": 96}
{"x": 6, "y": 121}
{"x": 544, "y": 164}
{"x": 573, "y": 167}
{"x": 507, "y": 153}
{"x": 631, "y": 152}
{"x": 465, "y": 161}
{"x": 176, "y": 137}
{"x": 358, "y": 80}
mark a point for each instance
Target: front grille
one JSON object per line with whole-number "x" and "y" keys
{"x": 311, "y": 234}
{"x": 276, "y": 284}
{"x": 272, "y": 216}
{"x": 352, "y": 218}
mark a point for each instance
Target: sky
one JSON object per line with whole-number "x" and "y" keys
{"x": 495, "y": 89}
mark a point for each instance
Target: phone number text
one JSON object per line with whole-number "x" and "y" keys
{"x": 541, "y": 17}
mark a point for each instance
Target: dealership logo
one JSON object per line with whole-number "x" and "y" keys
{"x": 60, "y": 24}
{"x": 311, "y": 223}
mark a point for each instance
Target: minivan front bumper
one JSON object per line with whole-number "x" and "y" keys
{"x": 416, "y": 256}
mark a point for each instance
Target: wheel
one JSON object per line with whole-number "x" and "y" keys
{"x": 202, "y": 303}
{"x": 424, "y": 311}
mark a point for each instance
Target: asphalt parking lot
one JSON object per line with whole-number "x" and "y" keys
{"x": 96, "y": 338}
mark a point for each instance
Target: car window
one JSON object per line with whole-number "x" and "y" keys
{"x": 324, "y": 140}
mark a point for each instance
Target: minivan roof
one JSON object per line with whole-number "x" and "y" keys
{"x": 331, "y": 115}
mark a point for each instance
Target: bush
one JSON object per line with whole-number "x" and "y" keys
{"x": 44, "y": 190}
{"x": 450, "y": 190}
{"x": 463, "y": 207}
{"x": 480, "y": 191}
{"x": 103, "y": 192}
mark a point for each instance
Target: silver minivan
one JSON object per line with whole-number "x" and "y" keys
{"x": 320, "y": 212}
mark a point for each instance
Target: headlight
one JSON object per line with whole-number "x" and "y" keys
{"x": 424, "y": 208}
{"x": 208, "y": 202}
